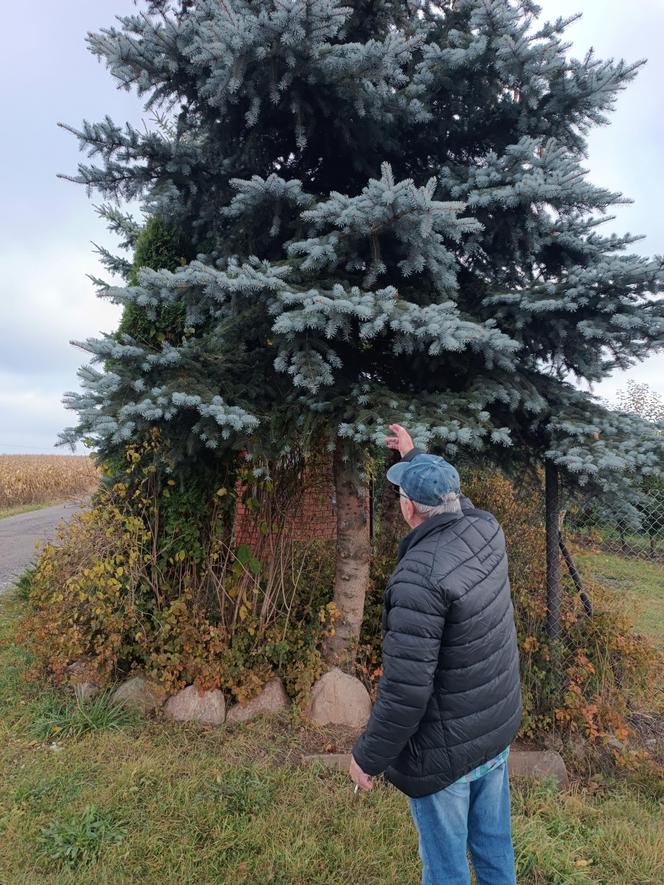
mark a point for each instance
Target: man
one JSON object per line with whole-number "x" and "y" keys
{"x": 448, "y": 703}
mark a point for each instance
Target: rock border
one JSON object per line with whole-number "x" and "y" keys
{"x": 534, "y": 764}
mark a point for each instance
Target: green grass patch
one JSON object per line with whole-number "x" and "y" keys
{"x": 121, "y": 803}
{"x": 57, "y": 717}
{"x": 78, "y": 839}
{"x": 642, "y": 583}
{"x": 24, "y": 508}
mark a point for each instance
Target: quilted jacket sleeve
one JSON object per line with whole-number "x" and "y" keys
{"x": 411, "y": 644}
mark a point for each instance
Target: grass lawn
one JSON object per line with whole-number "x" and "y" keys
{"x": 641, "y": 581}
{"x": 23, "y": 508}
{"x": 152, "y": 802}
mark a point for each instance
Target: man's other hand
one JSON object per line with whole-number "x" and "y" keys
{"x": 401, "y": 441}
{"x": 358, "y": 776}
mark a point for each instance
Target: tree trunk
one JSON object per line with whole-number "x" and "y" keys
{"x": 352, "y": 567}
{"x": 552, "y": 499}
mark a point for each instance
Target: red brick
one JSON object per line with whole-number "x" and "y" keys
{"x": 314, "y": 518}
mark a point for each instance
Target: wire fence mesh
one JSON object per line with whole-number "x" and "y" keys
{"x": 636, "y": 531}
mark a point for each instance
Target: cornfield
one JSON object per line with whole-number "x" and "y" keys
{"x": 42, "y": 479}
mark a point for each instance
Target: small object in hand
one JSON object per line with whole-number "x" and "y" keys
{"x": 357, "y": 787}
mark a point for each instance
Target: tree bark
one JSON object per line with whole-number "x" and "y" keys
{"x": 352, "y": 566}
{"x": 552, "y": 502}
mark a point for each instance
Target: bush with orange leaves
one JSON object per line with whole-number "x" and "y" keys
{"x": 131, "y": 587}
{"x": 589, "y": 682}
{"x": 147, "y": 580}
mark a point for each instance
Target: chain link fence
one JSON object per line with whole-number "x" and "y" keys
{"x": 634, "y": 531}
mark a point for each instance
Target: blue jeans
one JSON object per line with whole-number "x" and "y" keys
{"x": 473, "y": 815}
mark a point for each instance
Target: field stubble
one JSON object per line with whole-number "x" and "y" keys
{"x": 44, "y": 479}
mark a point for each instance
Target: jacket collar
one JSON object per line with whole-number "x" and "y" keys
{"x": 428, "y": 527}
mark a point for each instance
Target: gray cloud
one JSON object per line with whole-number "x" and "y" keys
{"x": 52, "y": 301}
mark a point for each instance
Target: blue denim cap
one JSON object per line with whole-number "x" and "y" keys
{"x": 425, "y": 479}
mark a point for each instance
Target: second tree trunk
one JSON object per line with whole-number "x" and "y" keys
{"x": 352, "y": 565}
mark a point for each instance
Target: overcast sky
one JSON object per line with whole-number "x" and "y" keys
{"x": 47, "y": 225}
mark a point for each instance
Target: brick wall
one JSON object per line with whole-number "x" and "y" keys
{"x": 314, "y": 516}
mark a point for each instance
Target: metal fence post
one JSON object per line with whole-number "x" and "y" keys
{"x": 552, "y": 508}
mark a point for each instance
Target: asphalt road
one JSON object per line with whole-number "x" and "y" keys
{"x": 19, "y": 534}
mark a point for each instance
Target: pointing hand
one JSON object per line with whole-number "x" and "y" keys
{"x": 401, "y": 440}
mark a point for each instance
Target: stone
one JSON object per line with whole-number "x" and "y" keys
{"x": 85, "y": 691}
{"x": 335, "y": 761}
{"x": 191, "y": 705}
{"x": 339, "y": 699}
{"x": 138, "y": 692}
{"x": 82, "y": 676}
{"x": 576, "y": 746}
{"x": 271, "y": 699}
{"x": 538, "y": 764}
{"x": 79, "y": 668}
{"x": 615, "y": 744}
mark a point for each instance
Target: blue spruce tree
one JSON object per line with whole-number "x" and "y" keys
{"x": 392, "y": 221}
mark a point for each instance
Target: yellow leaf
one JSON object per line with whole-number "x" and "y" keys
{"x": 119, "y": 572}
{"x": 222, "y": 491}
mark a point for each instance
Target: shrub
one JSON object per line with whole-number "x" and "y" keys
{"x": 584, "y": 685}
{"x": 148, "y": 580}
{"x": 136, "y": 584}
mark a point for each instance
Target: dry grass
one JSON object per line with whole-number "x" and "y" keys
{"x": 44, "y": 479}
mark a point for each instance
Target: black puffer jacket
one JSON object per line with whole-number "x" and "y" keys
{"x": 449, "y": 697}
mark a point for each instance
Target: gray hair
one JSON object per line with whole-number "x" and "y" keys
{"x": 449, "y": 503}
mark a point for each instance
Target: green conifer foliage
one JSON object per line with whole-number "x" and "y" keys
{"x": 157, "y": 246}
{"x": 392, "y": 221}
{"x": 396, "y": 220}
